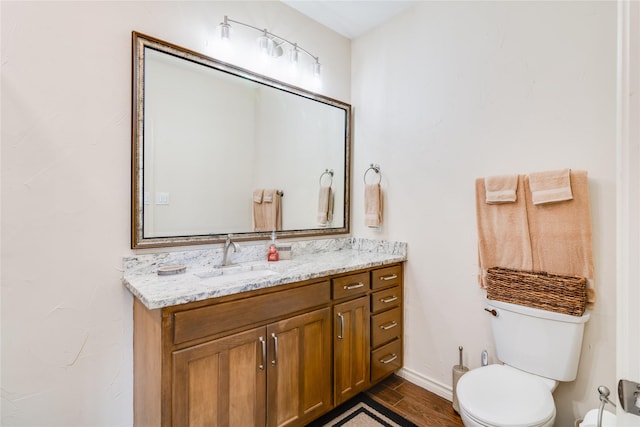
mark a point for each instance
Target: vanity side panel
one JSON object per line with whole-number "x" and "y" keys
{"x": 147, "y": 365}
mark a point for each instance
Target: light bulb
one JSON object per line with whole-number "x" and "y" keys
{"x": 294, "y": 54}
{"x": 224, "y": 29}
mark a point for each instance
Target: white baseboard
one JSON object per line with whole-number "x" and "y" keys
{"x": 442, "y": 390}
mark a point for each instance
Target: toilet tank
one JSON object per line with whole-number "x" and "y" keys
{"x": 537, "y": 341}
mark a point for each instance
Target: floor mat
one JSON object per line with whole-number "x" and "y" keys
{"x": 361, "y": 411}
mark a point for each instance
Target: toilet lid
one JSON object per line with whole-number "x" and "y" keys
{"x": 497, "y": 395}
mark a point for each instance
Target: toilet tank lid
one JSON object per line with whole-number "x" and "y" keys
{"x": 536, "y": 312}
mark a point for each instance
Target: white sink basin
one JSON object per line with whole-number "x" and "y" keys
{"x": 238, "y": 272}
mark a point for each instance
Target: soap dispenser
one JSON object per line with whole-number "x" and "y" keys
{"x": 272, "y": 255}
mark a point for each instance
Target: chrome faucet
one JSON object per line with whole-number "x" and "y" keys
{"x": 228, "y": 244}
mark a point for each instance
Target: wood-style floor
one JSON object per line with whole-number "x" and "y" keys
{"x": 415, "y": 403}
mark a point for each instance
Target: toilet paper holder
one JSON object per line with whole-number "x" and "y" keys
{"x": 629, "y": 395}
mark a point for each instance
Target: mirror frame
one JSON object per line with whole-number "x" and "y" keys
{"x": 138, "y": 241}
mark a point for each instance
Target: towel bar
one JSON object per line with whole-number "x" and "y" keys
{"x": 376, "y": 169}
{"x": 327, "y": 172}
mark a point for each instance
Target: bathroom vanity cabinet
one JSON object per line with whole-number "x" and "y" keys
{"x": 277, "y": 356}
{"x": 351, "y": 337}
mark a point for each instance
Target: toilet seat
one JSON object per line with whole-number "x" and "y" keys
{"x": 497, "y": 395}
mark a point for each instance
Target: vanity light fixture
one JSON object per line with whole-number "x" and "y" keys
{"x": 271, "y": 44}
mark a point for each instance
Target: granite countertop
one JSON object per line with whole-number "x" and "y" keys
{"x": 204, "y": 280}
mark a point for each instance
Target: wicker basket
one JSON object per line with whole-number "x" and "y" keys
{"x": 552, "y": 292}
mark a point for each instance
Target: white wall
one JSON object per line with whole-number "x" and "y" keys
{"x": 628, "y": 289}
{"x": 189, "y": 115}
{"x": 66, "y": 111}
{"x": 450, "y": 91}
{"x": 293, "y": 157}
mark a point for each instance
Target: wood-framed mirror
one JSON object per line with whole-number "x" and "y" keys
{"x": 208, "y": 136}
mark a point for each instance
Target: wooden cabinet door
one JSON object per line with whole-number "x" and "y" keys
{"x": 351, "y": 348}
{"x": 221, "y": 382}
{"x": 299, "y": 366}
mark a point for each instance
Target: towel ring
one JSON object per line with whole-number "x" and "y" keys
{"x": 327, "y": 172}
{"x": 376, "y": 169}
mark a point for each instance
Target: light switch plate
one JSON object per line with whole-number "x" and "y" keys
{"x": 629, "y": 394}
{"x": 162, "y": 198}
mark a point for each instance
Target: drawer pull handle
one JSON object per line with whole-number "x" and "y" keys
{"x": 388, "y": 300}
{"x": 389, "y": 360}
{"x": 274, "y": 362}
{"x": 356, "y": 286}
{"x": 263, "y": 342}
{"x": 391, "y": 277}
{"x": 393, "y": 324}
{"x": 341, "y": 317}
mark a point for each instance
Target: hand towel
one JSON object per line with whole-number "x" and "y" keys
{"x": 267, "y": 216}
{"x": 503, "y": 232}
{"x": 278, "y": 210}
{"x": 372, "y": 205}
{"x": 258, "y": 215}
{"x": 501, "y": 188}
{"x": 550, "y": 187}
{"x": 325, "y": 206}
{"x": 561, "y": 239}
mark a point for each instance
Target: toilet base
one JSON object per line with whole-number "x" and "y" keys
{"x": 468, "y": 421}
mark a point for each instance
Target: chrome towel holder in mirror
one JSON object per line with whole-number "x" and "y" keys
{"x": 327, "y": 172}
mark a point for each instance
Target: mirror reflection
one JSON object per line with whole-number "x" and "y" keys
{"x": 219, "y": 150}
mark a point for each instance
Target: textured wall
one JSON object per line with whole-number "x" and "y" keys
{"x": 450, "y": 91}
{"x": 66, "y": 108}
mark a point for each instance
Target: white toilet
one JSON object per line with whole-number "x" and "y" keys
{"x": 538, "y": 349}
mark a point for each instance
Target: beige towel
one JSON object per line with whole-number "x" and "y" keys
{"x": 550, "y": 187}
{"x": 503, "y": 233}
{"x": 257, "y": 195}
{"x": 372, "y": 205}
{"x": 561, "y": 240}
{"x": 501, "y": 188}
{"x": 267, "y": 216}
{"x": 325, "y": 206}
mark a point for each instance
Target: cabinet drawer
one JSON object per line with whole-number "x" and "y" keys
{"x": 388, "y": 276}
{"x": 386, "y": 298}
{"x": 214, "y": 319}
{"x": 386, "y": 359}
{"x": 352, "y": 285}
{"x": 386, "y": 326}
